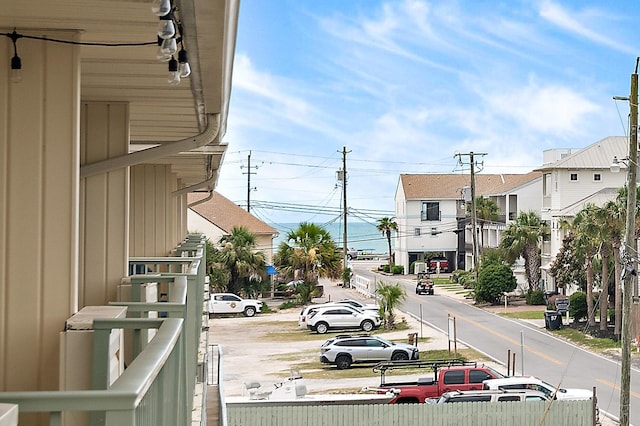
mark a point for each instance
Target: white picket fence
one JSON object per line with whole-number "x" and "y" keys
{"x": 533, "y": 413}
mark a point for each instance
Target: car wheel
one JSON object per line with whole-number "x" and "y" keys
{"x": 249, "y": 311}
{"x": 322, "y": 328}
{"x": 399, "y": 356}
{"x": 343, "y": 362}
{"x": 366, "y": 326}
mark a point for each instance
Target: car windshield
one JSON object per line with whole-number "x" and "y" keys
{"x": 495, "y": 373}
{"x": 327, "y": 343}
{"x": 550, "y": 387}
{"x": 385, "y": 341}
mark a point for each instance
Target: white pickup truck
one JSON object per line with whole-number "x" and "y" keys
{"x": 228, "y": 303}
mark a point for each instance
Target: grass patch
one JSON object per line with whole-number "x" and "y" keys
{"x": 523, "y": 315}
{"x": 290, "y": 332}
{"x": 316, "y": 370}
{"x": 595, "y": 344}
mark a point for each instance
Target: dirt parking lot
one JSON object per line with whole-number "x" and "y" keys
{"x": 265, "y": 348}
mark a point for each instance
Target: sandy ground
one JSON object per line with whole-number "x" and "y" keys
{"x": 251, "y": 354}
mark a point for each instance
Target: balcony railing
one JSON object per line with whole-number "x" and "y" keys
{"x": 158, "y": 386}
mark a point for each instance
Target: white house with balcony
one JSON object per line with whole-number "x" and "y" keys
{"x": 571, "y": 179}
{"x": 431, "y": 213}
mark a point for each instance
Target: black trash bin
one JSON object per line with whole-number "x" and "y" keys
{"x": 552, "y": 320}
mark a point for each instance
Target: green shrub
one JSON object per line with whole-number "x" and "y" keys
{"x": 464, "y": 278}
{"x": 493, "y": 281}
{"x": 284, "y": 305}
{"x": 386, "y": 268}
{"x": 535, "y": 297}
{"x": 578, "y": 305}
{"x": 397, "y": 269}
{"x": 347, "y": 274}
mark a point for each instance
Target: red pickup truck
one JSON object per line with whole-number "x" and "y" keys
{"x": 449, "y": 375}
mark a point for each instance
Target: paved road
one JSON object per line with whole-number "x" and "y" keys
{"x": 545, "y": 356}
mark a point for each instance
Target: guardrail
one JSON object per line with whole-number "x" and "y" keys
{"x": 138, "y": 397}
{"x": 158, "y": 387}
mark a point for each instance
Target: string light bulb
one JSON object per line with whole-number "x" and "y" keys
{"x": 183, "y": 63}
{"x": 169, "y": 47}
{"x": 174, "y": 72}
{"x": 16, "y": 62}
{"x": 166, "y": 27}
{"x": 161, "y": 7}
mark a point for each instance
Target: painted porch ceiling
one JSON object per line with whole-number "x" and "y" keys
{"x": 159, "y": 112}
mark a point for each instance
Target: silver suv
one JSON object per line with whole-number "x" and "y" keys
{"x": 345, "y": 350}
{"x": 342, "y": 317}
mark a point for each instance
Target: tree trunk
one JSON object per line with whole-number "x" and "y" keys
{"x": 389, "y": 244}
{"x": 604, "y": 295}
{"x": 531, "y": 267}
{"x": 618, "y": 291}
{"x": 591, "y": 320}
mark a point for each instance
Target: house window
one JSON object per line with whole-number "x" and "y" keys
{"x": 416, "y": 232}
{"x": 597, "y": 177}
{"x": 546, "y": 185}
{"x": 573, "y": 177}
{"x": 430, "y": 210}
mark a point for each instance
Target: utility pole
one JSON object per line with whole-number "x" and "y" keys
{"x": 474, "y": 236}
{"x": 342, "y": 175}
{"x": 630, "y": 255}
{"x": 249, "y": 173}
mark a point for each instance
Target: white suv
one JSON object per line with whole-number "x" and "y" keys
{"x": 345, "y": 350}
{"x": 342, "y": 317}
{"x": 357, "y": 304}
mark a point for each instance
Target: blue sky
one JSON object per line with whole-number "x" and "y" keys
{"x": 406, "y": 85}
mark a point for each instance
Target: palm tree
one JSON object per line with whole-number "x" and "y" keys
{"x": 613, "y": 218}
{"x": 588, "y": 241}
{"x": 521, "y": 238}
{"x": 238, "y": 256}
{"x": 385, "y": 226}
{"x": 487, "y": 211}
{"x": 619, "y": 210}
{"x": 391, "y": 295}
{"x": 308, "y": 253}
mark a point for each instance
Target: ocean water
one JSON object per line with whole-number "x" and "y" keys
{"x": 360, "y": 235}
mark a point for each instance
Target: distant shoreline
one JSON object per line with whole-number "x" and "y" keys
{"x": 360, "y": 235}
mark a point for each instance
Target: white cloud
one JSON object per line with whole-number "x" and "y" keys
{"x": 570, "y": 21}
{"x": 544, "y": 108}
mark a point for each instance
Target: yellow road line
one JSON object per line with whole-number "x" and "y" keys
{"x": 512, "y": 341}
{"x": 616, "y": 387}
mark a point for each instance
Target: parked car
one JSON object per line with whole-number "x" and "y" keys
{"x": 519, "y": 395}
{"x": 344, "y": 350}
{"x": 343, "y": 316}
{"x": 438, "y": 264}
{"x": 359, "y": 305}
{"x": 352, "y": 254}
{"x": 531, "y": 382}
{"x": 228, "y": 303}
{"x": 304, "y": 313}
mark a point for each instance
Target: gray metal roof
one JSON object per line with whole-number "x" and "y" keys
{"x": 598, "y": 155}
